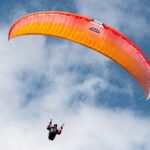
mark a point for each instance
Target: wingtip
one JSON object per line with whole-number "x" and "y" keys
{"x": 147, "y": 96}
{"x": 9, "y": 35}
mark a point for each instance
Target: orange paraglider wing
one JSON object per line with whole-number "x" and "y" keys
{"x": 92, "y": 34}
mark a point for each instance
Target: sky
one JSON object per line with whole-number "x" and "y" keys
{"x": 45, "y": 77}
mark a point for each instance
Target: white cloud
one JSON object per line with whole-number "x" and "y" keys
{"x": 87, "y": 127}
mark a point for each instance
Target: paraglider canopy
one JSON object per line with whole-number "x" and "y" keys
{"x": 93, "y": 34}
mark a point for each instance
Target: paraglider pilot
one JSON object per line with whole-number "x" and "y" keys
{"x": 53, "y": 130}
